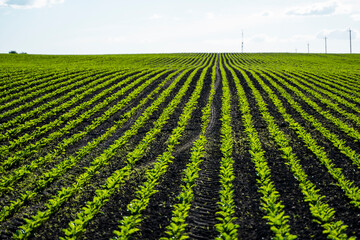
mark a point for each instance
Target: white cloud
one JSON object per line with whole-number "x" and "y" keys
{"x": 210, "y": 15}
{"x": 223, "y": 42}
{"x": 117, "y": 39}
{"x": 316, "y": 9}
{"x": 276, "y": 39}
{"x": 266, "y": 14}
{"x": 190, "y": 11}
{"x": 300, "y": 38}
{"x": 257, "y": 38}
{"x": 155, "y": 16}
{"x": 27, "y": 4}
{"x": 356, "y": 17}
{"x": 338, "y": 34}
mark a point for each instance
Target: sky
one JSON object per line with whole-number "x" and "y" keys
{"x": 169, "y": 26}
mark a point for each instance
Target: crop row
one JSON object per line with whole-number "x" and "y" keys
{"x": 321, "y": 211}
{"x": 24, "y": 84}
{"x": 34, "y": 147}
{"x": 63, "y": 85}
{"x": 177, "y": 226}
{"x": 61, "y": 168}
{"x": 328, "y": 102}
{"x": 62, "y": 146}
{"x": 129, "y": 224}
{"x": 24, "y": 120}
{"x": 270, "y": 202}
{"x": 62, "y": 196}
{"x": 195, "y": 145}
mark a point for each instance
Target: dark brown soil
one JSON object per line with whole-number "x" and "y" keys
{"x": 202, "y": 214}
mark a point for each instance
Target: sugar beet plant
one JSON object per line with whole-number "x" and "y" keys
{"x": 129, "y": 224}
{"x": 54, "y": 204}
{"x": 321, "y": 211}
{"x": 177, "y": 227}
{"x": 270, "y": 203}
{"x": 81, "y": 155}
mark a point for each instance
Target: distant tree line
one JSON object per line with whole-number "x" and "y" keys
{"x": 14, "y": 52}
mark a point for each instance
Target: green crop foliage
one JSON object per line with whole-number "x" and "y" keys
{"x": 80, "y": 155}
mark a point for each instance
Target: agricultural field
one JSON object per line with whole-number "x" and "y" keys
{"x": 176, "y": 146}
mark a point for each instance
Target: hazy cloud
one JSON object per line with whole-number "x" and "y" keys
{"x": 224, "y": 41}
{"x": 337, "y": 34}
{"x": 325, "y": 8}
{"x": 301, "y": 38}
{"x": 155, "y": 16}
{"x": 27, "y": 4}
{"x": 277, "y": 39}
{"x": 262, "y": 38}
{"x": 356, "y": 17}
{"x": 117, "y": 39}
{"x": 266, "y": 14}
{"x": 210, "y": 15}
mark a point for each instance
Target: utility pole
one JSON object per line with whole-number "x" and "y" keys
{"x": 308, "y": 45}
{"x": 325, "y": 45}
{"x": 350, "y": 41}
{"x": 242, "y": 41}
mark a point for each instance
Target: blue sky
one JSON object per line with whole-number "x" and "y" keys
{"x": 166, "y": 26}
